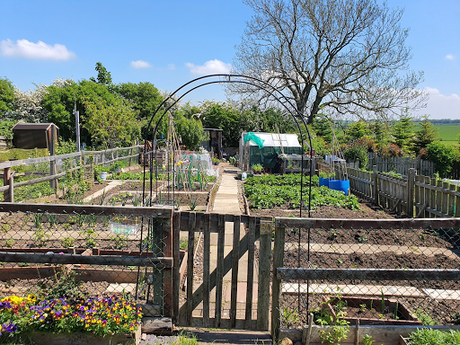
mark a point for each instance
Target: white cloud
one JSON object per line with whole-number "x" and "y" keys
{"x": 171, "y": 66}
{"x": 39, "y": 50}
{"x": 209, "y": 67}
{"x": 441, "y": 106}
{"x": 140, "y": 64}
{"x": 449, "y": 57}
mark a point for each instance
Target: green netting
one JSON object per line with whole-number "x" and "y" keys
{"x": 250, "y": 136}
{"x": 267, "y": 156}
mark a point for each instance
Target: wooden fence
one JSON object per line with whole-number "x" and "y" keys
{"x": 83, "y": 159}
{"x": 400, "y": 165}
{"x": 414, "y": 195}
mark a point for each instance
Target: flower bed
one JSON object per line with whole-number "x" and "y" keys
{"x": 100, "y": 316}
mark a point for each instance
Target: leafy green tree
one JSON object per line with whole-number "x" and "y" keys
{"x": 59, "y": 103}
{"x": 190, "y": 130}
{"x": 225, "y": 117}
{"x": 6, "y": 97}
{"x": 266, "y": 120}
{"x": 442, "y": 156}
{"x": 357, "y": 130}
{"x": 145, "y": 98}
{"x": 322, "y": 127}
{"x": 403, "y": 132}
{"x": 425, "y": 135}
{"x": 104, "y": 77}
{"x": 111, "y": 124}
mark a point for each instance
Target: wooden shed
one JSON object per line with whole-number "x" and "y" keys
{"x": 34, "y": 135}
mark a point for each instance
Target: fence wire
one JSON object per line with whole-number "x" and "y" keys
{"x": 82, "y": 254}
{"x": 378, "y": 299}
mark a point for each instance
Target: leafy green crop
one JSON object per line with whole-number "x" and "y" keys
{"x": 266, "y": 192}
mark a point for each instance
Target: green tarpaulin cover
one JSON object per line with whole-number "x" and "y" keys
{"x": 250, "y": 136}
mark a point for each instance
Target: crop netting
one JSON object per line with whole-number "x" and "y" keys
{"x": 78, "y": 254}
{"x": 378, "y": 298}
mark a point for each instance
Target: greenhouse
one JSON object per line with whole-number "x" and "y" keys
{"x": 265, "y": 148}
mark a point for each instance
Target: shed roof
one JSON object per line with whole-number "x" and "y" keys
{"x": 22, "y": 126}
{"x": 275, "y": 139}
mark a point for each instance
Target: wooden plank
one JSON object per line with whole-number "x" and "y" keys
{"x": 250, "y": 277}
{"x": 235, "y": 269}
{"x": 418, "y": 198}
{"x": 225, "y": 323}
{"x": 278, "y": 260}
{"x": 157, "y": 212}
{"x": 457, "y": 203}
{"x": 367, "y": 223}
{"x": 206, "y": 270}
{"x": 190, "y": 249}
{"x": 445, "y": 205}
{"x": 427, "y": 196}
{"x": 295, "y": 274}
{"x": 263, "y": 298}
{"x": 31, "y": 161}
{"x": 433, "y": 199}
{"x": 220, "y": 268}
{"x": 159, "y": 262}
{"x": 197, "y": 295}
{"x": 176, "y": 266}
{"x": 451, "y": 204}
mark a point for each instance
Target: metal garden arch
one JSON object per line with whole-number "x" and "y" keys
{"x": 230, "y": 79}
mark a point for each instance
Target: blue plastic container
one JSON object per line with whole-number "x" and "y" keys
{"x": 343, "y": 185}
{"x": 323, "y": 182}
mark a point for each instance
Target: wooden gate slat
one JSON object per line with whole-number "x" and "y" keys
{"x": 250, "y": 279}
{"x": 190, "y": 248}
{"x": 235, "y": 259}
{"x": 206, "y": 269}
{"x": 220, "y": 270}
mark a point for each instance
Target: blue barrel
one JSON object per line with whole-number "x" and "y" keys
{"x": 343, "y": 185}
{"x": 323, "y": 182}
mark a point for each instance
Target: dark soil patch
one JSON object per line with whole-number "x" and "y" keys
{"x": 367, "y": 211}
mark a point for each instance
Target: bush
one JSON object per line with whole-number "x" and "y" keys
{"x": 442, "y": 156}
{"x": 356, "y": 151}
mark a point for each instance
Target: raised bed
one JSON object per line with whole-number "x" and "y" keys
{"x": 374, "y": 311}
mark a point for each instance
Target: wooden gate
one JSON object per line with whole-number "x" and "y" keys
{"x": 228, "y": 271}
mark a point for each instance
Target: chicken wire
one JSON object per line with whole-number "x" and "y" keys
{"x": 103, "y": 253}
{"x": 379, "y": 299}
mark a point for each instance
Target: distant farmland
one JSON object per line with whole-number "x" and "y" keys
{"x": 448, "y": 133}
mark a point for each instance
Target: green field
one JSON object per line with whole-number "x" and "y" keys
{"x": 448, "y": 133}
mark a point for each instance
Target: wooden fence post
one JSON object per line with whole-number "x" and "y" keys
{"x": 53, "y": 171}
{"x": 410, "y": 191}
{"x": 11, "y": 190}
{"x": 263, "y": 304}
{"x": 6, "y": 181}
{"x": 375, "y": 187}
{"x": 278, "y": 259}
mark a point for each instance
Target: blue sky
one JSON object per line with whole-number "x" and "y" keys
{"x": 169, "y": 42}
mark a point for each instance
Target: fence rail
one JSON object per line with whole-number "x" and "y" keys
{"x": 58, "y": 164}
{"x": 361, "y": 262}
{"x": 114, "y": 249}
{"x": 400, "y": 165}
{"x": 413, "y": 195}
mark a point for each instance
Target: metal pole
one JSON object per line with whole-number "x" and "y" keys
{"x": 77, "y": 128}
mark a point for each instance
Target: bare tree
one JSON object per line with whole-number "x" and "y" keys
{"x": 336, "y": 56}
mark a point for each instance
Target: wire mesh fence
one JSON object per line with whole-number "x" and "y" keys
{"x": 86, "y": 250}
{"x": 383, "y": 273}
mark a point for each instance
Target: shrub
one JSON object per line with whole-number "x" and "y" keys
{"x": 442, "y": 156}
{"x": 356, "y": 151}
